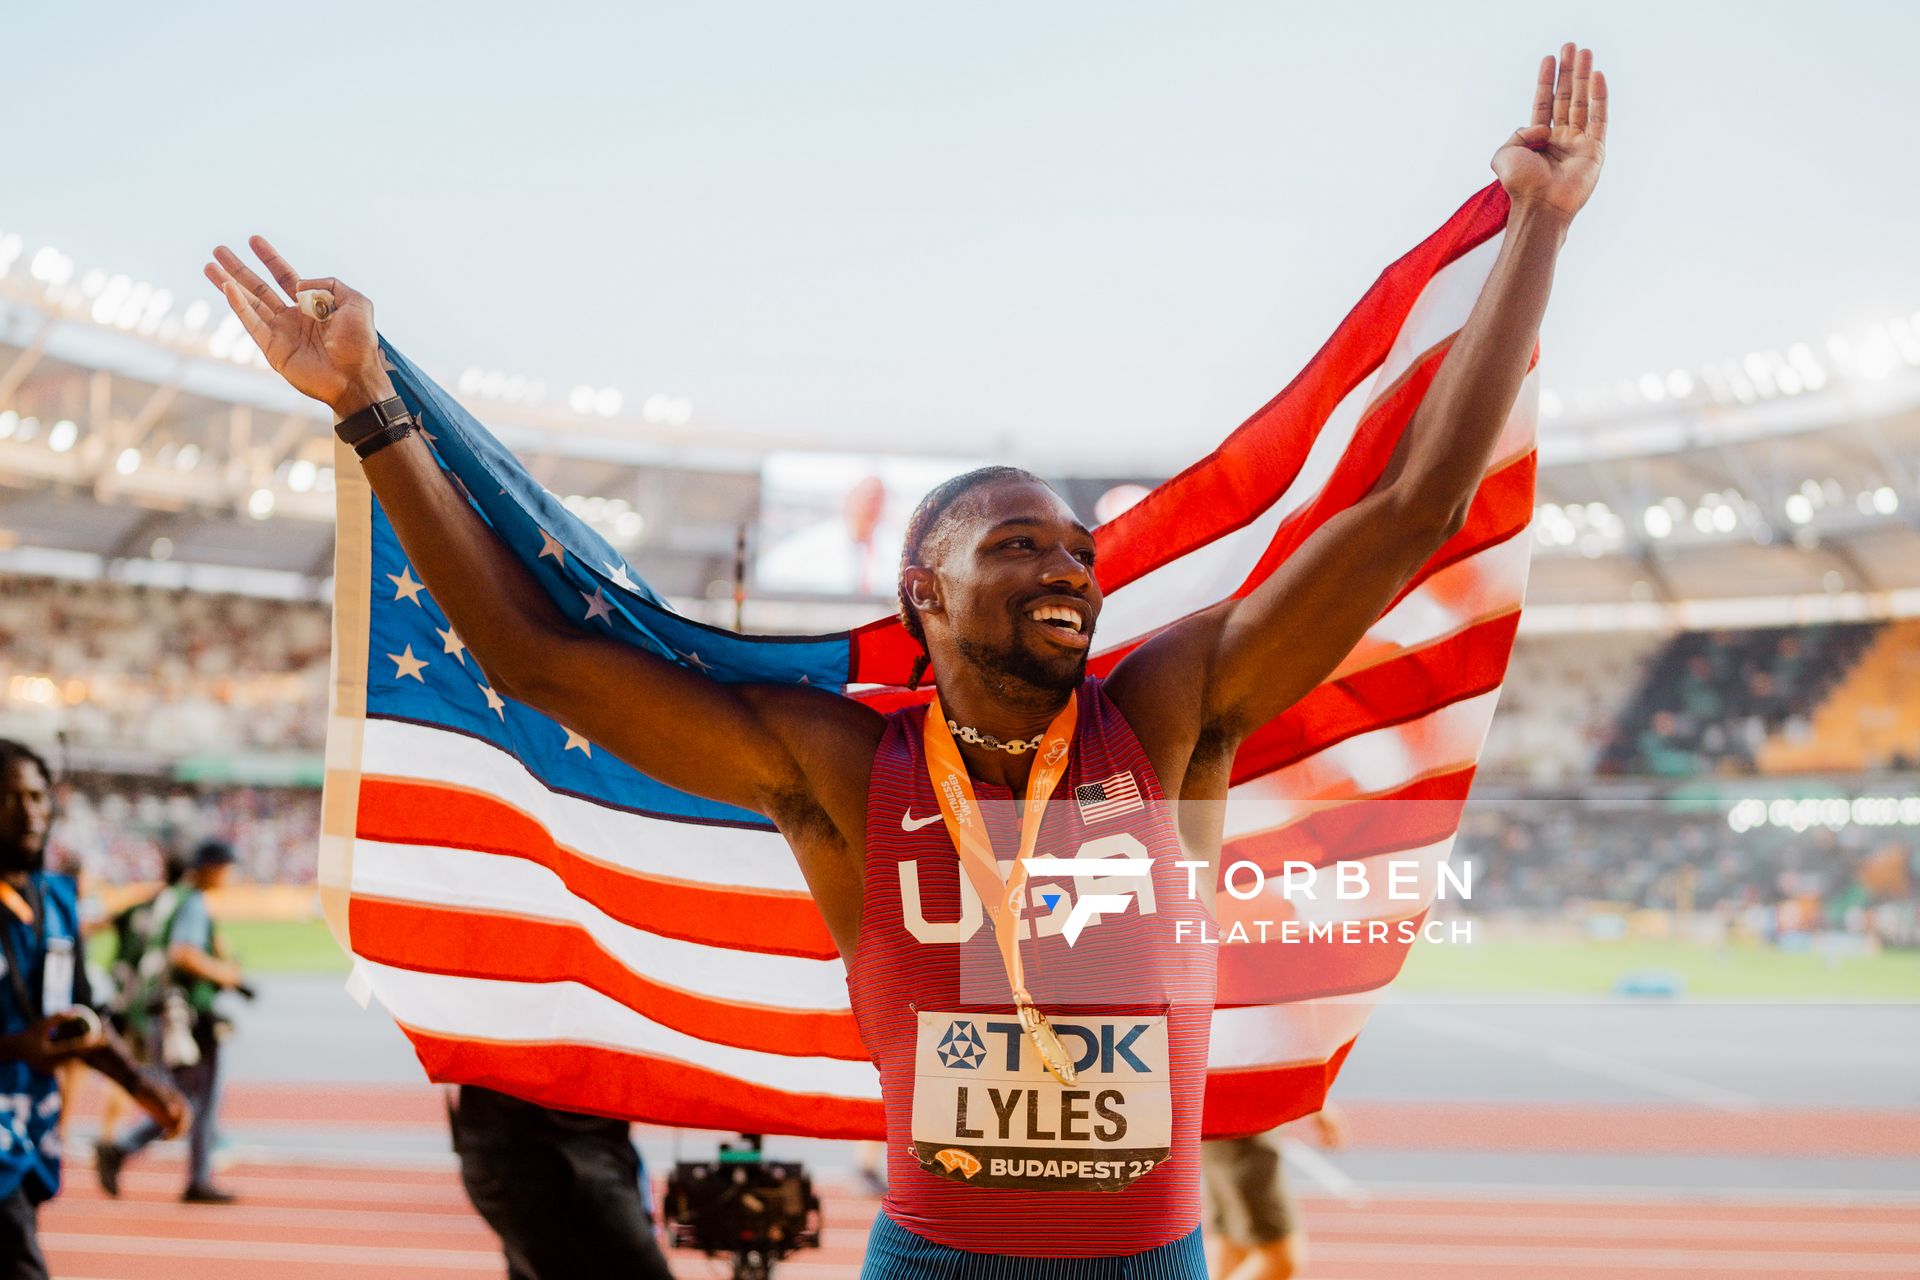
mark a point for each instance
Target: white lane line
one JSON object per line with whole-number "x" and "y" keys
{"x": 1328, "y": 1218}
{"x": 1576, "y": 1058}
{"x": 383, "y": 1256}
{"x": 1330, "y": 1176}
{"x": 1637, "y": 1260}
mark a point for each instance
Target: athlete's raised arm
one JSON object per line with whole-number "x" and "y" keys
{"x": 766, "y": 749}
{"x": 1248, "y": 660}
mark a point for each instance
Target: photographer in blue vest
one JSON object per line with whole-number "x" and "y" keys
{"x": 46, "y": 1015}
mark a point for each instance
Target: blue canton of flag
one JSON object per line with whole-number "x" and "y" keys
{"x": 419, "y": 669}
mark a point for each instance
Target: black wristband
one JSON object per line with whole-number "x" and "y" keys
{"x": 376, "y": 419}
{"x": 381, "y": 439}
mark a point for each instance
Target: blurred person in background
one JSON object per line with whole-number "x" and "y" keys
{"x": 566, "y": 1193}
{"x": 182, "y": 974}
{"x": 132, "y": 927}
{"x": 1251, "y": 1215}
{"x": 46, "y": 1019}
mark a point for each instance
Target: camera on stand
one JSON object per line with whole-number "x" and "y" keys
{"x": 754, "y": 1210}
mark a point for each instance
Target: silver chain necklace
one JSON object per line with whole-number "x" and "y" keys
{"x": 967, "y": 733}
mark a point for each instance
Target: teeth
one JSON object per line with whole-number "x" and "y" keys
{"x": 1055, "y": 613}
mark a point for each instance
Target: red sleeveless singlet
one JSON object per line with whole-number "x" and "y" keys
{"x": 985, "y": 1152}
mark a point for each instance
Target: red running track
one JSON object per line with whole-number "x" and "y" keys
{"x": 357, "y": 1222}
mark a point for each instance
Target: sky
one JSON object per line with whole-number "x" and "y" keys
{"x": 963, "y": 228}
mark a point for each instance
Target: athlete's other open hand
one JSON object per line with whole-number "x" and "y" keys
{"x": 1553, "y": 162}
{"x": 335, "y": 360}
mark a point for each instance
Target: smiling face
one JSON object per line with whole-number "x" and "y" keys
{"x": 1006, "y": 583}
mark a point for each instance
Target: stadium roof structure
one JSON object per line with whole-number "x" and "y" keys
{"x": 145, "y": 440}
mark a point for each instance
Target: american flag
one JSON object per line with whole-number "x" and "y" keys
{"x": 1108, "y": 798}
{"x": 541, "y": 918}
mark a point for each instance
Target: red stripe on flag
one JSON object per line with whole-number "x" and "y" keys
{"x": 483, "y": 944}
{"x": 1254, "y": 466}
{"x": 1461, "y": 666}
{"x": 1248, "y": 1100}
{"x": 1423, "y": 812}
{"x": 596, "y": 1080}
{"x": 1276, "y": 972}
{"x": 765, "y": 920}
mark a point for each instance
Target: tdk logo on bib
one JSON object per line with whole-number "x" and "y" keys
{"x": 986, "y": 1112}
{"x": 961, "y": 1047}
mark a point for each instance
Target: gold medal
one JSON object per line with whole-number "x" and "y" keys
{"x": 1053, "y": 1054}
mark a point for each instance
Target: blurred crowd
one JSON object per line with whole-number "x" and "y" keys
{"x": 1546, "y": 860}
{"x": 1712, "y": 699}
{"x": 171, "y": 671}
{"x": 116, "y": 830}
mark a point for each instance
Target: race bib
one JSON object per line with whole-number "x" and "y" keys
{"x": 56, "y": 979}
{"x": 987, "y": 1113}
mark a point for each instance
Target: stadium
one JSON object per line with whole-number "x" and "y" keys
{"x": 1681, "y": 1040}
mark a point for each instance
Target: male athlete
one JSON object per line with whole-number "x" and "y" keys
{"x": 1043, "y": 1106}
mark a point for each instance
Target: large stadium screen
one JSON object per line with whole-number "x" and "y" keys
{"x": 832, "y": 523}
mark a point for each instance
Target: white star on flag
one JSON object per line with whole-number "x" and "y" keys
{"x": 694, "y": 659}
{"x": 404, "y": 587}
{"x": 575, "y": 741}
{"x": 618, "y": 572}
{"x": 549, "y": 546}
{"x": 494, "y": 704}
{"x": 452, "y": 644}
{"x": 405, "y": 664}
{"x": 597, "y": 606}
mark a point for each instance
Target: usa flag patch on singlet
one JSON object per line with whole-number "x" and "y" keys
{"x": 1109, "y": 797}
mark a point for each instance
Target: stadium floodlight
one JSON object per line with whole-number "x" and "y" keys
{"x": 260, "y": 503}
{"x": 1725, "y": 519}
{"x": 1657, "y": 522}
{"x": 1653, "y": 388}
{"x": 1799, "y": 508}
{"x": 65, "y": 432}
{"x": 188, "y": 458}
{"x": 10, "y": 246}
{"x": 301, "y": 475}
{"x": 491, "y": 384}
{"x": 196, "y": 315}
{"x": 470, "y": 380}
{"x": 580, "y": 399}
{"x": 128, "y": 462}
{"x": 93, "y": 282}
{"x": 607, "y": 401}
{"x": 9, "y": 423}
{"x": 162, "y": 549}
{"x": 1885, "y": 500}
{"x": 51, "y": 267}
{"x": 1679, "y": 384}
{"x": 1789, "y": 380}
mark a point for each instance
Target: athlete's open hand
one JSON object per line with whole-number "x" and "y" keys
{"x": 1554, "y": 162}
{"x": 333, "y": 359}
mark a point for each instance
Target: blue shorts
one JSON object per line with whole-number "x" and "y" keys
{"x": 895, "y": 1253}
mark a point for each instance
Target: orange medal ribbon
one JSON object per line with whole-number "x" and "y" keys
{"x": 968, "y": 830}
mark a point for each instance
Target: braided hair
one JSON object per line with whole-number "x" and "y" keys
{"x": 926, "y": 521}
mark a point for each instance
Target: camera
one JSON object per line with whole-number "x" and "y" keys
{"x": 755, "y": 1210}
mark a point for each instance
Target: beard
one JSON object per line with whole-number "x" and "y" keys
{"x": 1017, "y": 672}
{"x": 22, "y": 855}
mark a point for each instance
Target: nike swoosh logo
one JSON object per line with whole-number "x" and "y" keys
{"x": 909, "y": 823}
